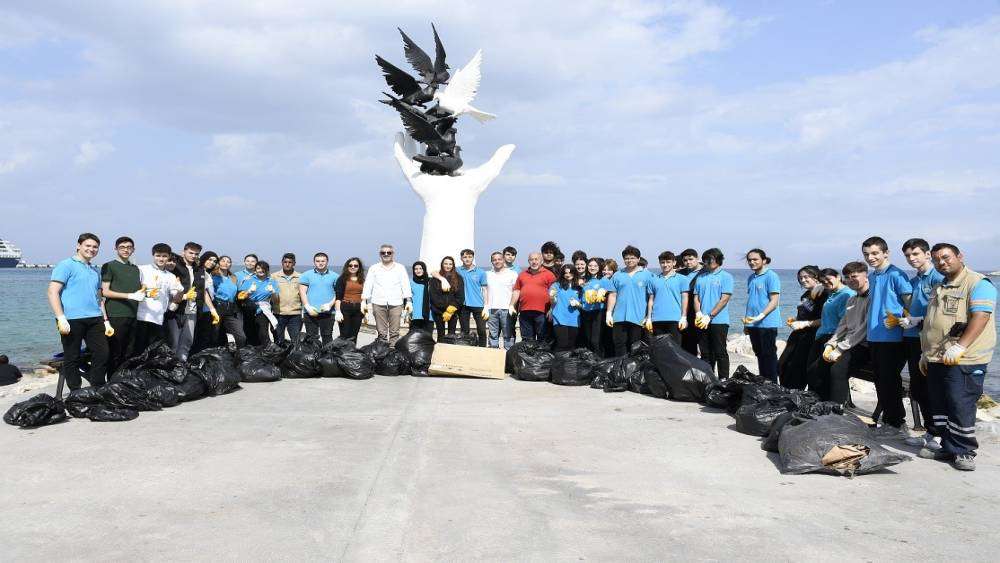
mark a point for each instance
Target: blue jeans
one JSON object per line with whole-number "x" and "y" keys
{"x": 499, "y": 322}
{"x": 532, "y": 325}
{"x": 291, "y": 322}
{"x": 954, "y": 391}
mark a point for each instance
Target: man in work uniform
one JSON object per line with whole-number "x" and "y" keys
{"x": 958, "y": 337}
{"x": 288, "y": 301}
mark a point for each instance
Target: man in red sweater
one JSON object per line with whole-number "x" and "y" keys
{"x": 531, "y": 298}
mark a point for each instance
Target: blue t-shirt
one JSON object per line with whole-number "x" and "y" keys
{"x": 922, "y": 286}
{"x": 631, "y": 291}
{"x": 888, "y": 288}
{"x": 225, "y": 288}
{"x": 515, "y": 268}
{"x": 595, "y": 284}
{"x": 667, "y": 296}
{"x": 760, "y": 287}
{"x": 983, "y": 298}
{"x": 562, "y": 313}
{"x": 417, "y": 289}
{"x": 710, "y": 287}
{"x": 474, "y": 279}
{"x": 262, "y": 290}
{"x": 834, "y": 310}
{"x": 320, "y": 286}
{"x": 81, "y": 282}
{"x": 243, "y": 274}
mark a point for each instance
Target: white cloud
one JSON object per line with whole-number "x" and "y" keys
{"x": 15, "y": 160}
{"x": 92, "y": 151}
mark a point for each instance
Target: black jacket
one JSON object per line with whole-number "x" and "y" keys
{"x": 441, "y": 300}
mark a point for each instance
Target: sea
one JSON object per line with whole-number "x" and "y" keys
{"x": 28, "y": 334}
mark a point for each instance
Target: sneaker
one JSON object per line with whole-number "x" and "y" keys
{"x": 925, "y": 441}
{"x": 964, "y": 462}
{"x": 936, "y": 455}
{"x": 891, "y": 432}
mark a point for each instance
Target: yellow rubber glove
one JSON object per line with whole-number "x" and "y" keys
{"x": 953, "y": 354}
{"x": 109, "y": 330}
{"x": 701, "y": 320}
{"x": 589, "y": 296}
{"x": 153, "y": 292}
{"x": 242, "y": 295}
{"x": 891, "y": 321}
{"x": 648, "y": 324}
{"x": 485, "y": 315}
{"x": 191, "y": 294}
{"x": 602, "y": 295}
{"x": 789, "y": 321}
{"x": 215, "y": 317}
{"x": 451, "y": 310}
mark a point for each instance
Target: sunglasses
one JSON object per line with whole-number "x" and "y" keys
{"x": 352, "y": 266}
{"x": 386, "y": 253}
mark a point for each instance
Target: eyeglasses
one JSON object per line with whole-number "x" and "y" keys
{"x": 386, "y": 253}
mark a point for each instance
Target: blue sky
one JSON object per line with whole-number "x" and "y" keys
{"x": 798, "y": 127}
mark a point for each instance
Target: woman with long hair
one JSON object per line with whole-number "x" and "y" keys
{"x": 259, "y": 289}
{"x": 226, "y": 288}
{"x": 206, "y": 330}
{"x": 445, "y": 303}
{"x": 348, "y": 289}
{"x": 595, "y": 291}
{"x": 421, "y": 319}
{"x": 794, "y": 360}
{"x": 567, "y": 297}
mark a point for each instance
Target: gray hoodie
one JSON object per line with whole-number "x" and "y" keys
{"x": 853, "y": 327}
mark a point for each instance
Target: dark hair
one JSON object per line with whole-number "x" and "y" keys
{"x": 318, "y": 254}
{"x": 162, "y": 248}
{"x": 559, "y": 256}
{"x": 361, "y": 268}
{"x": 4, "y": 359}
{"x": 689, "y": 252}
{"x": 451, "y": 276}
{"x": 631, "y": 251}
{"x": 550, "y": 246}
{"x": 578, "y": 255}
{"x": 413, "y": 268}
{"x": 88, "y": 236}
{"x": 562, "y": 276}
{"x": 916, "y": 243}
{"x": 205, "y": 258}
{"x": 263, "y": 266}
{"x": 121, "y": 240}
{"x": 876, "y": 241}
{"x": 667, "y": 255}
{"x": 192, "y": 246}
{"x": 510, "y": 249}
{"x": 811, "y": 271}
{"x": 825, "y": 272}
{"x": 467, "y": 251}
{"x": 175, "y": 258}
{"x": 944, "y": 245}
{"x": 643, "y": 262}
{"x": 713, "y": 254}
{"x": 759, "y": 252}
{"x": 251, "y": 255}
{"x": 600, "y": 268}
{"x": 288, "y": 256}
{"x": 854, "y": 268}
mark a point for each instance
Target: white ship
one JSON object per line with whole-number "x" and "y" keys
{"x": 10, "y": 255}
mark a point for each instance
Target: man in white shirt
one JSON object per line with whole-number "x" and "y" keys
{"x": 161, "y": 288}
{"x": 499, "y": 288}
{"x": 387, "y": 292}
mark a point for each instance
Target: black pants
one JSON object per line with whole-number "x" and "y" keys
{"x": 565, "y": 337}
{"x": 463, "y": 320}
{"x": 91, "y": 331}
{"x": 532, "y": 325}
{"x": 625, "y": 334}
{"x": 292, "y": 324}
{"x": 832, "y": 381}
{"x": 445, "y": 328}
{"x": 421, "y": 324}
{"x": 248, "y": 310}
{"x": 918, "y": 381}
{"x": 763, "y": 341}
{"x": 888, "y": 359}
{"x": 712, "y": 345}
{"x": 794, "y": 360}
{"x": 667, "y": 327}
{"x": 590, "y": 330}
{"x": 320, "y": 325}
{"x": 351, "y": 325}
{"x": 147, "y": 333}
{"x": 263, "y": 327}
{"x": 120, "y": 345}
{"x": 815, "y": 376}
{"x": 206, "y": 334}
{"x": 690, "y": 336}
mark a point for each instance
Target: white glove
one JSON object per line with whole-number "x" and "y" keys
{"x": 910, "y": 322}
{"x": 138, "y": 296}
{"x": 552, "y": 293}
{"x": 109, "y": 330}
{"x": 799, "y": 325}
{"x": 172, "y": 306}
{"x": 485, "y": 314}
{"x": 682, "y": 324}
{"x": 511, "y": 310}
{"x": 324, "y": 308}
{"x": 62, "y": 325}
{"x": 701, "y": 320}
{"x": 754, "y": 319}
{"x": 574, "y": 303}
{"x": 364, "y": 308}
{"x": 609, "y": 318}
{"x": 409, "y": 308}
{"x": 832, "y": 353}
{"x": 445, "y": 286}
{"x": 311, "y": 311}
{"x": 339, "y": 317}
{"x": 953, "y": 354}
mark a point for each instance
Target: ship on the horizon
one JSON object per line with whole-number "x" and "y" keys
{"x": 10, "y": 255}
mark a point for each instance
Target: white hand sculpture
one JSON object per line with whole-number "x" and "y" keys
{"x": 449, "y": 201}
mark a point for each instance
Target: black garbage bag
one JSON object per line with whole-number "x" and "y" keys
{"x": 259, "y": 370}
{"x": 274, "y": 353}
{"x": 417, "y": 346}
{"x": 87, "y": 402}
{"x": 601, "y": 371}
{"x": 177, "y": 375}
{"x": 459, "y": 339}
{"x": 303, "y": 359}
{"x": 40, "y": 410}
{"x": 216, "y": 367}
{"x": 616, "y": 380}
{"x": 338, "y": 345}
{"x": 770, "y": 441}
{"x": 356, "y": 365}
{"x": 376, "y": 352}
{"x": 728, "y": 393}
{"x": 835, "y": 444}
{"x": 756, "y": 418}
{"x": 682, "y": 376}
{"x": 128, "y": 394}
{"x": 158, "y": 355}
{"x": 164, "y": 394}
{"x": 329, "y": 366}
{"x": 191, "y": 389}
{"x": 573, "y": 367}
{"x": 532, "y": 361}
{"x": 393, "y": 363}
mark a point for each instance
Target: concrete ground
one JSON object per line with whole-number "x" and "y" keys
{"x": 403, "y": 468}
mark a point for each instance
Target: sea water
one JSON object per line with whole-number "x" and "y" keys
{"x": 28, "y": 333}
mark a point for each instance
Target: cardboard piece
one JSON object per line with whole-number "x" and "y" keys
{"x": 467, "y": 361}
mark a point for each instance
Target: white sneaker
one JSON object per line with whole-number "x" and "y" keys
{"x": 923, "y": 441}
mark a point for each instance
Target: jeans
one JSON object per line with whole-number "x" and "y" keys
{"x": 625, "y": 334}
{"x": 387, "y": 322}
{"x": 500, "y": 323}
{"x": 91, "y": 331}
{"x": 667, "y": 327}
{"x": 565, "y": 337}
{"x": 532, "y": 325}
{"x": 291, "y": 323}
{"x": 321, "y": 325}
{"x": 954, "y": 391}
{"x": 590, "y": 330}
{"x": 181, "y": 333}
{"x": 463, "y": 320}
{"x": 712, "y": 344}
{"x": 918, "y": 381}
{"x": 120, "y": 345}
{"x": 351, "y": 325}
{"x": 763, "y": 341}
{"x": 888, "y": 359}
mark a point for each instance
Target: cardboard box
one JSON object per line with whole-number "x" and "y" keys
{"x": 467, "y": 361}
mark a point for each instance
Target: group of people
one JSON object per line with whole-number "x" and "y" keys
{"x": 868, "y": 313}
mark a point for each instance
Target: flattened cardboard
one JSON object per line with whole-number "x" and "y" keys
{"x": 467, "y": 361}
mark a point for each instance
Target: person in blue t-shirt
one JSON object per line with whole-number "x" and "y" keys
{"x": 888, "y": 298}
{"x": 510, "y": 258}
{"x": 668, "y": 300}
{"x": 421, "y": 319}
{"x": 226, "y": 286}
{"x": 763, "y": 317}
{"x": 474, "y": 281}
{"x": 595, "y": 294}
{"x": 256, "y": 292}
{"x": 248, "y": 310}
{"x": 713, "y": 288}
{"x": 627, "y": 301}
{"x": 567, "y": 299}
{"x": 74, "y": 295}
{"x": 316, "y": 288}
{"x": 833, "y": 310}
{"x": 918, "y": 253}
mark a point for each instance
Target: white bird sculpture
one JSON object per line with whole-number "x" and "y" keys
{"x": 456, "y": 97}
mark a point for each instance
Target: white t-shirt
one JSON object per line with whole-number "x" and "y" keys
{"x": 500, "y": 286}
{"x": 152, "y": 310}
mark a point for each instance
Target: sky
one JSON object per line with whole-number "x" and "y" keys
{"x": 797, "y": 127}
